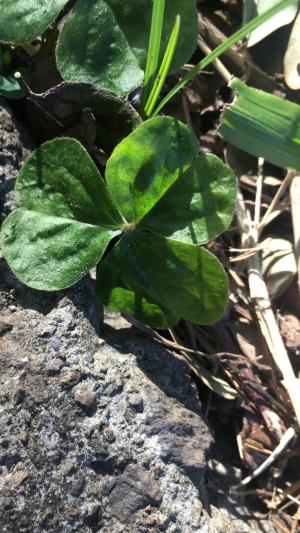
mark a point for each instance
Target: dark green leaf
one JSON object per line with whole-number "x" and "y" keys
{"x": 10, "y": 88}
{"x": 66, "y": 102}
{"x": 48, "y": 252}
{"x": 145, "y": 165}
{"x": 117, "y": 296}
{"x": 60, "y": 179}
{"x": 110, "y": 48}
{"x": 198, "y": 206}
{"x": 184, "y": 278}
{"x": 24, "y": 20}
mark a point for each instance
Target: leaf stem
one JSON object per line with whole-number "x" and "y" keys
{"x": 223, "y": 47}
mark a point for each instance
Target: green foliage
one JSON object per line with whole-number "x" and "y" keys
{"x": 263, "y": 125}
{"x": 110, "y": 49}
{"x": 9, "y": 87}
{"x": 103, "y": 42}
{"x": 161, "y": 200}
{"x": 237, "y": 36}
{"x": 24, "y": 20}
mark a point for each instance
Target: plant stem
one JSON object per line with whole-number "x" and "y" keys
{"x": 164, "y": 68}
{"x": 154, "y": 47}
{"x": 223, "y": 47}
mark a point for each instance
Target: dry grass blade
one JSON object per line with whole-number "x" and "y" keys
{"x": 295, "y": 204}
{"x": 263, "y": 309}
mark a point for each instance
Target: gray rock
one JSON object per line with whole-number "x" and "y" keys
{"x": 131, "y": 457}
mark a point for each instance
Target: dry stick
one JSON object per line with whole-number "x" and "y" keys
{"x": 284, "y": 185}
{"x": 259, "y": 186}
{"x": 217, "y": 63}
{"x": 264, "y": 312}
{"x": 284, "y": 442}
{"x": 295, "y": 205}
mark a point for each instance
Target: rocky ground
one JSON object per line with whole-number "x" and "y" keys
{"x": 101, "y": 429}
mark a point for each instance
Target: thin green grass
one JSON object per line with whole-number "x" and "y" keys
{"x": 154, "y": 48}
{"x": 164, "y": 68}
{"x": 219, "y": 50}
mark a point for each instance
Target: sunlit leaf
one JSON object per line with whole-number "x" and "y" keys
{"x": 105, "y": 42}
{"x": 24, "y": 20}
{"x": 263, "y": 125}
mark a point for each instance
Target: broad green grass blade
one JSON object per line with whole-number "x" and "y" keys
{"x": 263, "y": 125}
{"x": 223, "y": 47}
{"x": 164, "y": 69}
{"x": 154, "y": 47}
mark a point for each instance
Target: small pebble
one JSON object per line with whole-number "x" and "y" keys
{"x": 54, "y": 367}
{"x": 89, "y": 358}
{"x": 85, "y": 397}
{"x": 109, "y": 434}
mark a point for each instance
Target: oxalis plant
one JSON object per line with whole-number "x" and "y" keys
{"x": 142, "y": 227}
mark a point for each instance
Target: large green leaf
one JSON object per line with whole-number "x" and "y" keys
{"x": 51, "y": 252}
{"x": 198, "y": 206}
{"x": 115, "y": 295}
{"x": 184, "y": 278}
{"x": 60, "y": 179}
{"x": 23, "y": 20}
{"x": 105, "y": 42}
{"x": 144, "y": 166}
{"x": 263, "y": 125}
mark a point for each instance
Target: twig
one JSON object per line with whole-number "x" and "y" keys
{"x": 295, "y": 205}
{"x": 258, "y": 196}
{"x": 284, "y": 442}
{"x": 284, "y": 185}
{"x": 174, "y": 345}
{"x": 216, "y": 63}
{"x": 186, "y": 111}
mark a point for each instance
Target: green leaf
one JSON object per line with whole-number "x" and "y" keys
{"x": 60, "y": 179}
{"x": 66, "y": 217}
{"x": 115, "y": 295}
{"x": 186, "y": 279}
{"x": 24, "y": 20}
{"x": 110, "y": 49}
{"x": 198, "y": 206}
{"x": 263, "y": 125}
{"x": 51, "y": 252}
{"x": 10, "y": 88}
{"x": 144, "y": 166}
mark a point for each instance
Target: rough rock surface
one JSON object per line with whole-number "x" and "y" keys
{"x": 100, "y": 429}
{"x": 96, "y": 435}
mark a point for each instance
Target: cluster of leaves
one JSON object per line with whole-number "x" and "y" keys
{"x": 103, "y": 42}
{"x": 142, "y": 228}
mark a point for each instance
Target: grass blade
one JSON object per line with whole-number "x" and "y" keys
{"x": 223, "y": 47}
{"x": 263, "y": 125}
{"x": 154, "y": 47}
{"x": 164, "y": 68}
